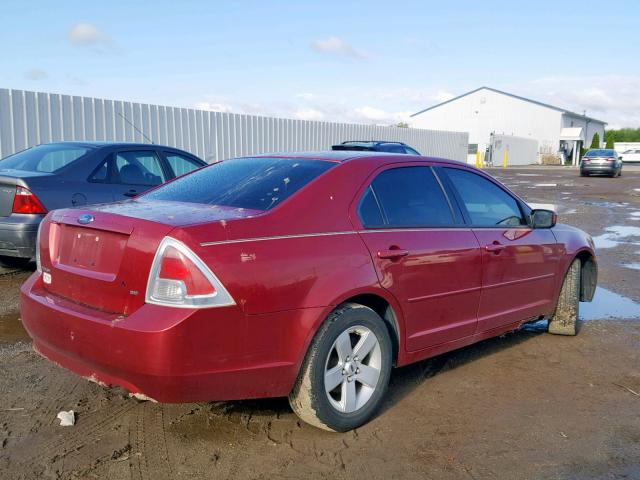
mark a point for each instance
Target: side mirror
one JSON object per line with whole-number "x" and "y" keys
{"x": 541, "y": 218}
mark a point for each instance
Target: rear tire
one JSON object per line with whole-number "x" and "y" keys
{"x": 14, "y": 262}
{"x": 346, "y": 371}
{"x": 565, "y": 318}
{"x": 584, "y": 174}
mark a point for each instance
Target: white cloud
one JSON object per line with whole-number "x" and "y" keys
{"x": 442, "y": 96}
{"x": 36, "y": 74}
{"x": 86, "y": 34}
{"x": 612, "y": 98}
{"x": 337, "y": 46}
{"x": 303, "y": 109}
{"x": 308, "y": 114}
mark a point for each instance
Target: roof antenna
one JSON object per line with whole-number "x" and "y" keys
{"x": 136, "y": 128}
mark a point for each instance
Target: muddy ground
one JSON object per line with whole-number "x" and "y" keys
{"x": 526, "y": 405}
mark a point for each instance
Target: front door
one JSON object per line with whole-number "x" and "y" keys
{"x": 518, "y": 262}
{"x": 423, "y": 254}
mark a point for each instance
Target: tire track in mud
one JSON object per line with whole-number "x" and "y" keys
{"x": 149, "y": 457}
{"x": 54, "y": 400}
{"x": 86, "y": 431}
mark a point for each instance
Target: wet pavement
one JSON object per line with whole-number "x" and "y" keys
{"x": 11, "y": 329}
{"x": 526, "y": 405}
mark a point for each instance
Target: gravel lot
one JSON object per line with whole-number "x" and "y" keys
{"x": 526, "y": 405}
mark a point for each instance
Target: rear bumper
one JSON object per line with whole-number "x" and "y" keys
{"x": 167, "y": 354}
{"x": 597, "y": 168}
{"x": 18, "y": 235}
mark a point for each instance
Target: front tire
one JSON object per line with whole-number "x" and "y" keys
{"x": 565, "y": 318}
{"x": 346, "y": 371}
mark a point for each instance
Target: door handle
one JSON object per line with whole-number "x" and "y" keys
{"x": 393, "y": 253}
{"x": 495, "y": 247}
{"x": 130, "y": 193}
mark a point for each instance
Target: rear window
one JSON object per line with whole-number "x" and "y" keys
{"x": 252, "y": 183}
{"x": 44, "y": 158}
{"x": 600, "y": 153}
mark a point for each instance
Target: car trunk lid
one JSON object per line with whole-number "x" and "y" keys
{"x": 102, "y": 262}
{"x": 101, "y": 257}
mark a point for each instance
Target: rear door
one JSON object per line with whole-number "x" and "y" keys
{"x": 518, "y": 263}
{"x": 422, "y": 253}
{"x": 128, "y": 173}
{"x": 180, "y": 164}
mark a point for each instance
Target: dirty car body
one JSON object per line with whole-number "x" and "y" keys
{"x": 284, "y": 245}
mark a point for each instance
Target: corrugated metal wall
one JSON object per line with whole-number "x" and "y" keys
{"x": 520, "y": 151}
{"x": 30, "y": 118}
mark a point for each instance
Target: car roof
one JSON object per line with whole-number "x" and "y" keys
{"x": 370, "y": 142}
{"x": 102, "y": 144}
{"x": 350, "y": 155}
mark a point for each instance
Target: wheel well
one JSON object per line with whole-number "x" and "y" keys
{"x": 588, "y": 277}
{"x": 382, "y": 308}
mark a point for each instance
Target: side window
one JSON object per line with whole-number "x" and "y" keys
{"x": 180, "y": 164}
{"x": 487, "y": 204}
{"x": 139, "y": 168}
{"x": 408, "y": 197}
{"x": 369, "y": 210}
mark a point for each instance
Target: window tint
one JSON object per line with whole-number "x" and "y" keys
{"x": 44, "y": 158}
{"x": 391, "y": 148}
{"x": 487, "y": 204}
{"x": 411, "y": 151}
{"x": 600, "y": 153}
{"x": 131, "y": 168}
{"x": 369, "y": 211}
{"x": 181, "y": 164}
{"x": 409, "y": 197}
{"x": 253, "y": 183}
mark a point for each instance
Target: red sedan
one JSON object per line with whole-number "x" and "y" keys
{"x": 305, "y": 275}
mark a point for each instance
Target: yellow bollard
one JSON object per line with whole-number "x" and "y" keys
{"x": 482, "y": 160}
{"x": 477, "y": 158}
{"x": 504, "y": 163}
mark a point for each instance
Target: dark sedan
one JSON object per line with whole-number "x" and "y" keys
{"x": 601, "y": 161}
{"x": 71, "y": 174}
{"x": 376, "y": 146}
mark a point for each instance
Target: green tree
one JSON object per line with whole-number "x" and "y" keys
{"x": 609, "y": 142}
{"x": 595, "y": 141}
{"x": 623, "y": 135}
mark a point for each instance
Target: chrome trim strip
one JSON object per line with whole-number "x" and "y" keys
{"x": 444, "y": 294}
{"x": 519, "y": 280}
{"x": 280, "y": 237}
{"x": 353, "y": 232}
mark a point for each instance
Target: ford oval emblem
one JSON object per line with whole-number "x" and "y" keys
{"x": 85, "y": 219}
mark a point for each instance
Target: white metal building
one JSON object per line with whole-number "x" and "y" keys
{"x": 486, "y": 113}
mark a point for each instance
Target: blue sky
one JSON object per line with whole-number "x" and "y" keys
{"x": 371, "y": 62}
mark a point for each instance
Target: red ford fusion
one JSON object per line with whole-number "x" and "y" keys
{"x": 306, "y": 275}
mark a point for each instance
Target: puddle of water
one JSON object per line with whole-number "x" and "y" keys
{"x": 607, "y": 304}
{"x": 635, "y": 214}
{"x": 11, "y": 329}
{"x": 615, "y": 235}
{"x": 529, "y": 174}
{"x": 546, "y": 184}
{"x": 634, "y": 266}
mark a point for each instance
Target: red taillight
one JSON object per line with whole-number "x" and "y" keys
{"x": 176, "y": 266}
{"x": 585, "y": 160}
{"x": 26, "y": 202}
{"x": 179, "y": 278}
